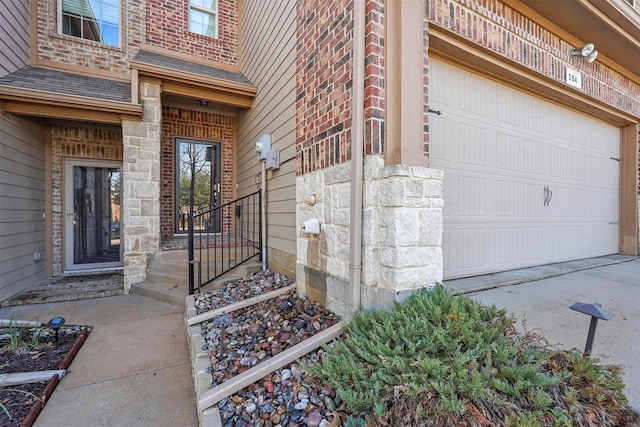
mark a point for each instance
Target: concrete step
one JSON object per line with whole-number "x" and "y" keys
{"x": 172, "y": 294}
{"x": 173, "y": 287}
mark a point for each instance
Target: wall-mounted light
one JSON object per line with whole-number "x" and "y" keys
{"x": 203, "y": 103}
{"x": 588, "y": 51}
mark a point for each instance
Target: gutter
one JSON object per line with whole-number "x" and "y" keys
{"x": 357, "y": 156}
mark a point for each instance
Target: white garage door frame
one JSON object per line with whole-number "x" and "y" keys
{"x": 527, "y": 182}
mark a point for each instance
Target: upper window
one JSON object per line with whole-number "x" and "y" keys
{"x": 97, "y": 20}
{"x": 203, "y": 17}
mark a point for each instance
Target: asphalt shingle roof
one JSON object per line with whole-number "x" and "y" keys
{"x": 160, "y": 60}
{"x": 48, "y": 80}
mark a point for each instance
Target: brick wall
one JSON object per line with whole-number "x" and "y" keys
{"x": 168, "y": 27}
{"x": 374, "y": 101}
{"x": 196, "y": 125}
{"x": 502, "y": 29}
{"x": 53, "y": 46}
{"x": 73, "y": 142}
{"x": 324, "y": 80}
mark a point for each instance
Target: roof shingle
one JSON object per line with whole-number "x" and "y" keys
{"x": 55, "y": 81}
{"x": 160, "y": 60}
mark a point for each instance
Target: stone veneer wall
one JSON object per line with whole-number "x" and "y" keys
{"x": 68, "y": 50}
{"x": 141, "y": 186}
{"x": 200, "y": 126}
{"x": 401, "y": 233}
{"x": 75, "y": 142}
{"x": 168, "y": 27}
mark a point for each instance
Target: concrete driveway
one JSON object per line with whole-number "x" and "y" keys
{"x": 545, "y": 306}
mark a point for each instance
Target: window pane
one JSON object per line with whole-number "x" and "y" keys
{"x": 98, "y": 20}
{"x": 206, "y": 4}
{"x": 202, "y": 23}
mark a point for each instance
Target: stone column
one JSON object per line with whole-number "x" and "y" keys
{"x": 402, "y": 226}
{"x": 141, "y": 185}
{"x": 402, "y": 231}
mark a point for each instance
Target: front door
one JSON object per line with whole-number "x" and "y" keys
{"x": 92, "y": 221}
{"x": 199, "y": 182}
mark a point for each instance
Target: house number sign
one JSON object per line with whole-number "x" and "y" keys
{"x": 573, "y": 78}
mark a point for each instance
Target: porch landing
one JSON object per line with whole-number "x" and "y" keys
{"x": 70, "y": 288}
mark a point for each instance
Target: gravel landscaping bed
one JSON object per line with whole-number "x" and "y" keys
{"x": 253, "y": 285}
{"x": 239, "y": 340}
{"x": 287, "y": 397}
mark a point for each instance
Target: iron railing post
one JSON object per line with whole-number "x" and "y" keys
{"x": 190, "y": 250}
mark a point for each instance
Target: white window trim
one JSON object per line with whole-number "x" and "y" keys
{"x": 208, "y": 12}
{"x": 120, "y": 26}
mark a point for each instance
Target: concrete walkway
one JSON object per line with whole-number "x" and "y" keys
{"x": 133, "y": 370}
{"x": 545, "y": 306}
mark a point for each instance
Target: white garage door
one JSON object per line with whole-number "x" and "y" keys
{"x": 527, "y": 182}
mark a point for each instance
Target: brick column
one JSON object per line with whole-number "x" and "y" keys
{"x": 141, "y": 185}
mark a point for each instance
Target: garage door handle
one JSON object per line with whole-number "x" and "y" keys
{"x": 546, "y": 195}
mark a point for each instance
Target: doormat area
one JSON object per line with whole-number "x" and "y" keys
{"x": 69, "y": 288}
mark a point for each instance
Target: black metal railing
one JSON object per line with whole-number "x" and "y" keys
{"x": 224, "y": 237}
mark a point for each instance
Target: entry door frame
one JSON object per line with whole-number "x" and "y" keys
{"x": 68, "y": 217}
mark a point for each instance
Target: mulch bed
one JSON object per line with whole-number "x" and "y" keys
{"x": 24, "y": 402}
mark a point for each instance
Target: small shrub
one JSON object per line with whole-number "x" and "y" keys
{"x": 447, "y": 358}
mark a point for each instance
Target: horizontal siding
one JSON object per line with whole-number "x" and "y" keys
{"x": 269, "y": 61}
{"x": 22, "y": 203}
{"x": 14, "y": 36}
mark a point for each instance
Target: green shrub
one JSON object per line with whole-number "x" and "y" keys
{"x": 450, "y": 358}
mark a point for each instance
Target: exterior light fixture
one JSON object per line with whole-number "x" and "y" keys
{"x": 203, "y": 102}
{"x": 588, "y": 51}
{"x": 596, "y": 312}
{"x": 55, "y": 324}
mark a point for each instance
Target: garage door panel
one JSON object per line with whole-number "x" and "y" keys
{"x": 508, "y": 239}
{"x": 499, "y": 149}
{"x": 568, "y": 164}
{"x": 467, "y": 196}
{"x": 469, "y": 246}
{"x": 518, "y": 155}
{"x": 472, "y": 144}
{"x": 518, "y": 199}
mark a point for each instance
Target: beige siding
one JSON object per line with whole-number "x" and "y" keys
{"x": 269, "y": 61}
{"x": 14, "y": 36}
{"x": 22, "y": 204}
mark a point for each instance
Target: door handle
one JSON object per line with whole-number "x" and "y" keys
{"x": 548, "y": 194}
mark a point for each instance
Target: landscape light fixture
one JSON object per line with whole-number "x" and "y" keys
{"x": 55, "y": 324}
{"x": 596, "y": 312}
{"x": 588, "y": 51}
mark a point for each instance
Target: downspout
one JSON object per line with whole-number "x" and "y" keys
{"x": 263, "y": 212}
{"x": 357, "y": 155}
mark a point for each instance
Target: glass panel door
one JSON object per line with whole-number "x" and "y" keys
{"x": 92, "y": 221}
{"x": 198, "y": 178}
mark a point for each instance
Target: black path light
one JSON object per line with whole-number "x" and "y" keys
{"x": 55, "y": 324}
{"x": 596, "y": 312}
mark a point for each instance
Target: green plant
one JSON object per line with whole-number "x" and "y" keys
{"x": 35, "y": 336}
{"x": 439, "y": 356}
{"x": 15, "y": 334}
